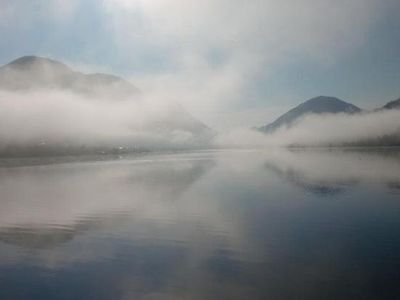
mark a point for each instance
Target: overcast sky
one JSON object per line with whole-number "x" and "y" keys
{"x": 231, "y": 63}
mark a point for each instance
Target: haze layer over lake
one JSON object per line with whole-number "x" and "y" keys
{"x": 250, "y": 224}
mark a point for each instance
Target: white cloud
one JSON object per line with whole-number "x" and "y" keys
{"x": 62, "y": 118}
{"x": 215, "y": 50}
{"x": 248, "y": 36}
{"x": 321, "y": 130}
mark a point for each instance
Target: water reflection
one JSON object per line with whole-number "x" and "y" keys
{"x": 47, "y": 205}
{"x": 210, "y": 225}
{"x": 332, "y": 172}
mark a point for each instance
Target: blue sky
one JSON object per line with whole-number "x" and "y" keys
{"x": 231, "y": 63}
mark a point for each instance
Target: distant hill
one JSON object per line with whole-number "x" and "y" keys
{"x": 392, "y": 105}
{"x": 33, "y": 72}
{"x": 318, "y": 105}
{"x": 323, "y": 104}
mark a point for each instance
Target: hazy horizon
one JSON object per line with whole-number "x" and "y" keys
{"x": 45, "y": 104}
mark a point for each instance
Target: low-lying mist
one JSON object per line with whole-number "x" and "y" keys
{"x": 45, "y": 121}
{"x": 50, "y": 118}
{"x": 378, "y": 128}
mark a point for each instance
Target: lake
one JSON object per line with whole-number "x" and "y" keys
{"x": 244, "y": 224}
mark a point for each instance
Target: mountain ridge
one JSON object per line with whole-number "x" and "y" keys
{"x": 316, "y": 105}
{"x": 170, "y": 126}
{"x": 395, "y": 104}
{"x": 34, "y": 72}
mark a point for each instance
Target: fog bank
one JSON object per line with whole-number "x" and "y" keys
{"x": 49, "y": 118}
{"x": 367, "y": 129}
{"x": 59, "y": 118}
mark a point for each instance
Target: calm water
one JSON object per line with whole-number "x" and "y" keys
{"x": 209, "y": 225}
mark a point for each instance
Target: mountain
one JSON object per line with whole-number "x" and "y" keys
{"x": 32, "y": 73}
{"x": 170, "y": 126}
{"x": 318, "y": 105}
{"x": 395, "y": 104}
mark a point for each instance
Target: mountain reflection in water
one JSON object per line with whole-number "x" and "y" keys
{"x": 276, "y": 224}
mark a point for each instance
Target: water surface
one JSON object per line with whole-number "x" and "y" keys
{"x": 278, "y": 224}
